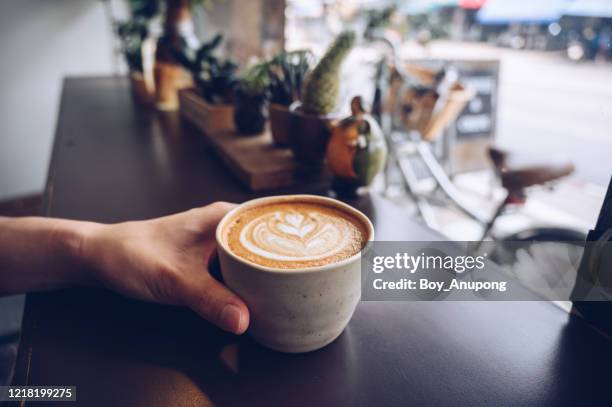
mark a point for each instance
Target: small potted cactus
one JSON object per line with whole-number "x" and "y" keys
{"x": 251, "y": 100}
{"x": 287, "y": 73}
{"x": 310, "y": 122}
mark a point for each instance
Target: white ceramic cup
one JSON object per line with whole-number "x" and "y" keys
{"x": 294, "y": 310}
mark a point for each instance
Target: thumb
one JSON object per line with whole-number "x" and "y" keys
{"x": 217, "y": 304}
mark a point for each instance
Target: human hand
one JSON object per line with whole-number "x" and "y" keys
{"x": 166, "y": 260}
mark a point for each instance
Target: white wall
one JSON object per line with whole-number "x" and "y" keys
{"x": 41, "y": 41}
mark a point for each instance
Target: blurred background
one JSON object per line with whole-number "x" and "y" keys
{"x": 543, "y": 75}
{"x": 541, "y": 70}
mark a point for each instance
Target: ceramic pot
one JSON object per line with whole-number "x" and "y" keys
{"x": 250, "y": 113}
{"x": 308, "y": 137}
{"x": 356, "y": 152}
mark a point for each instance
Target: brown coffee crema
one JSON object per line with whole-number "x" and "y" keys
{"x": 291, "y": 235}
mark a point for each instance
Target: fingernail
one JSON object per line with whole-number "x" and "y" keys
{"x": 230, "y": 318}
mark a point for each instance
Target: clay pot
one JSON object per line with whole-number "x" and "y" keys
{"x": 280, "y": 124}
{"x": 308, "y": 137}
{"x": 169, "y": 75}
{"x": 169, "y": 79}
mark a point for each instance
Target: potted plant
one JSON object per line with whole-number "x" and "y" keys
{"x": 251, "y": 99}
{"x": 138, "y": 48}
{"x": 287, "y": 73}
{"x": 310, "y": 122}
{"x": 178, "y": 37}
{"x": 132, "y": 34}
{"x": 209, "y": 105}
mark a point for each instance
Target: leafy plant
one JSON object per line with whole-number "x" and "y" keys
{"x": 134, "y": 31}
{"x": 214, "y": 78}
{"x": 150, "y": 8}
{"x": 131, "y": 35}
{"x": 321, "y": 86}
{"x": 256, "y": 79}
{"x": 144, "y": 9}
{"x": 287, "y": 72}
{"x": 251, "y": 102}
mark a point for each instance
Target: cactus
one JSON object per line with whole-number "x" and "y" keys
{"x": 322, "y": 84}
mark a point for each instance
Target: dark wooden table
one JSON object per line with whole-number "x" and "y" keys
{"x": 114, "y": 161}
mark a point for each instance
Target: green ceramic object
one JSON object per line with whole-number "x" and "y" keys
{"x": 356, "y": 152}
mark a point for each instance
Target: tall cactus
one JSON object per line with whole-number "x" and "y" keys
{"x": 322, "y": 84}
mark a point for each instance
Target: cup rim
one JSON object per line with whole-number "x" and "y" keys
{"x": 279, "y": 198}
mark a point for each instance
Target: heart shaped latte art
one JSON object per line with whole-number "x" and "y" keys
{"x": 294, "y": 235}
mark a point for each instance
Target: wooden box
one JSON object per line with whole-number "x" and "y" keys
{"x": 205, "y": 116}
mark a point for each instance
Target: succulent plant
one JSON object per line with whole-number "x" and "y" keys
{"x": 287, "y": 73}
{"x": 321, "y": 86}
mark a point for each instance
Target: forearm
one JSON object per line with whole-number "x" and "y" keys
{"x": 163, "y": 260}
{"x": 39, "y": 254}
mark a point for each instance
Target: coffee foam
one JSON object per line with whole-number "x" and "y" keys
{"x": 295, "y": 234}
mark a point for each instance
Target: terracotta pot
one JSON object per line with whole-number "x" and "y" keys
{"x": 206, "y": 116}
{"x": 170, "y": 76}
{"x": 308, "y": 137}
{"x": 280, "y": 124}
{"x": 169, "y": 79}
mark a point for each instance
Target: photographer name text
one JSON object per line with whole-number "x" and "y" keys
{"x": 448, "y": 265}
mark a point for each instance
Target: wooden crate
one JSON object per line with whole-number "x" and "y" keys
{"x": 205, "y": 116}
{"x": 255, "y": 159}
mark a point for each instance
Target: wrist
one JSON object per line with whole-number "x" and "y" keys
{"x": 80, "y": 243}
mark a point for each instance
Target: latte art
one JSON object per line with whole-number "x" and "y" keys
{"x": 295, "y": 235}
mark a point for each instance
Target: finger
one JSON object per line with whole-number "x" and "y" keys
{"x": 217, "y": 304}
{"x": 209, "y": 216}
